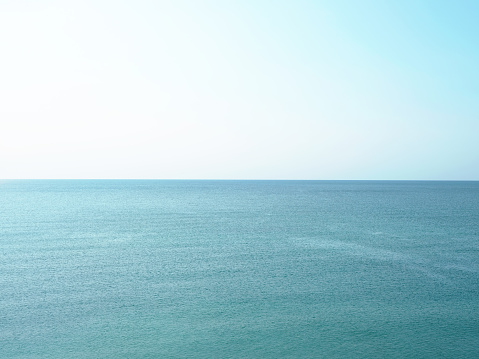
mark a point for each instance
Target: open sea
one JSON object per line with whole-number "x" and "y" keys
{"x": 238, "y": 269}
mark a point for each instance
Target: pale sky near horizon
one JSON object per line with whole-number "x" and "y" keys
{"x": 239, "y": 89}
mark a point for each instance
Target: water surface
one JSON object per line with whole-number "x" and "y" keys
{"x": 239, "y": 269}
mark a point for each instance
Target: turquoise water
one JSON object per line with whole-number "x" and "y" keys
{"x": 239, "y": 269}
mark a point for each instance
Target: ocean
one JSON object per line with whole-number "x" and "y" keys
{"x": 239, "y": 269}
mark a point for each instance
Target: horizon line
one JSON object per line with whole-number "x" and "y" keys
{"x": 236, "y": 179}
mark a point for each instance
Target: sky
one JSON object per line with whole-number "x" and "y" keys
{"x": 246, "y": 89}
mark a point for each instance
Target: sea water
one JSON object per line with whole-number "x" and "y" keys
{"x": 239, "y": 269}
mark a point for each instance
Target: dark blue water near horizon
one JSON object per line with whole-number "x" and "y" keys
{"x": 239, "y": 269}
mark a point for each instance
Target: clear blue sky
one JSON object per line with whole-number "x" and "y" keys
{"x": 239, "y": 89}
